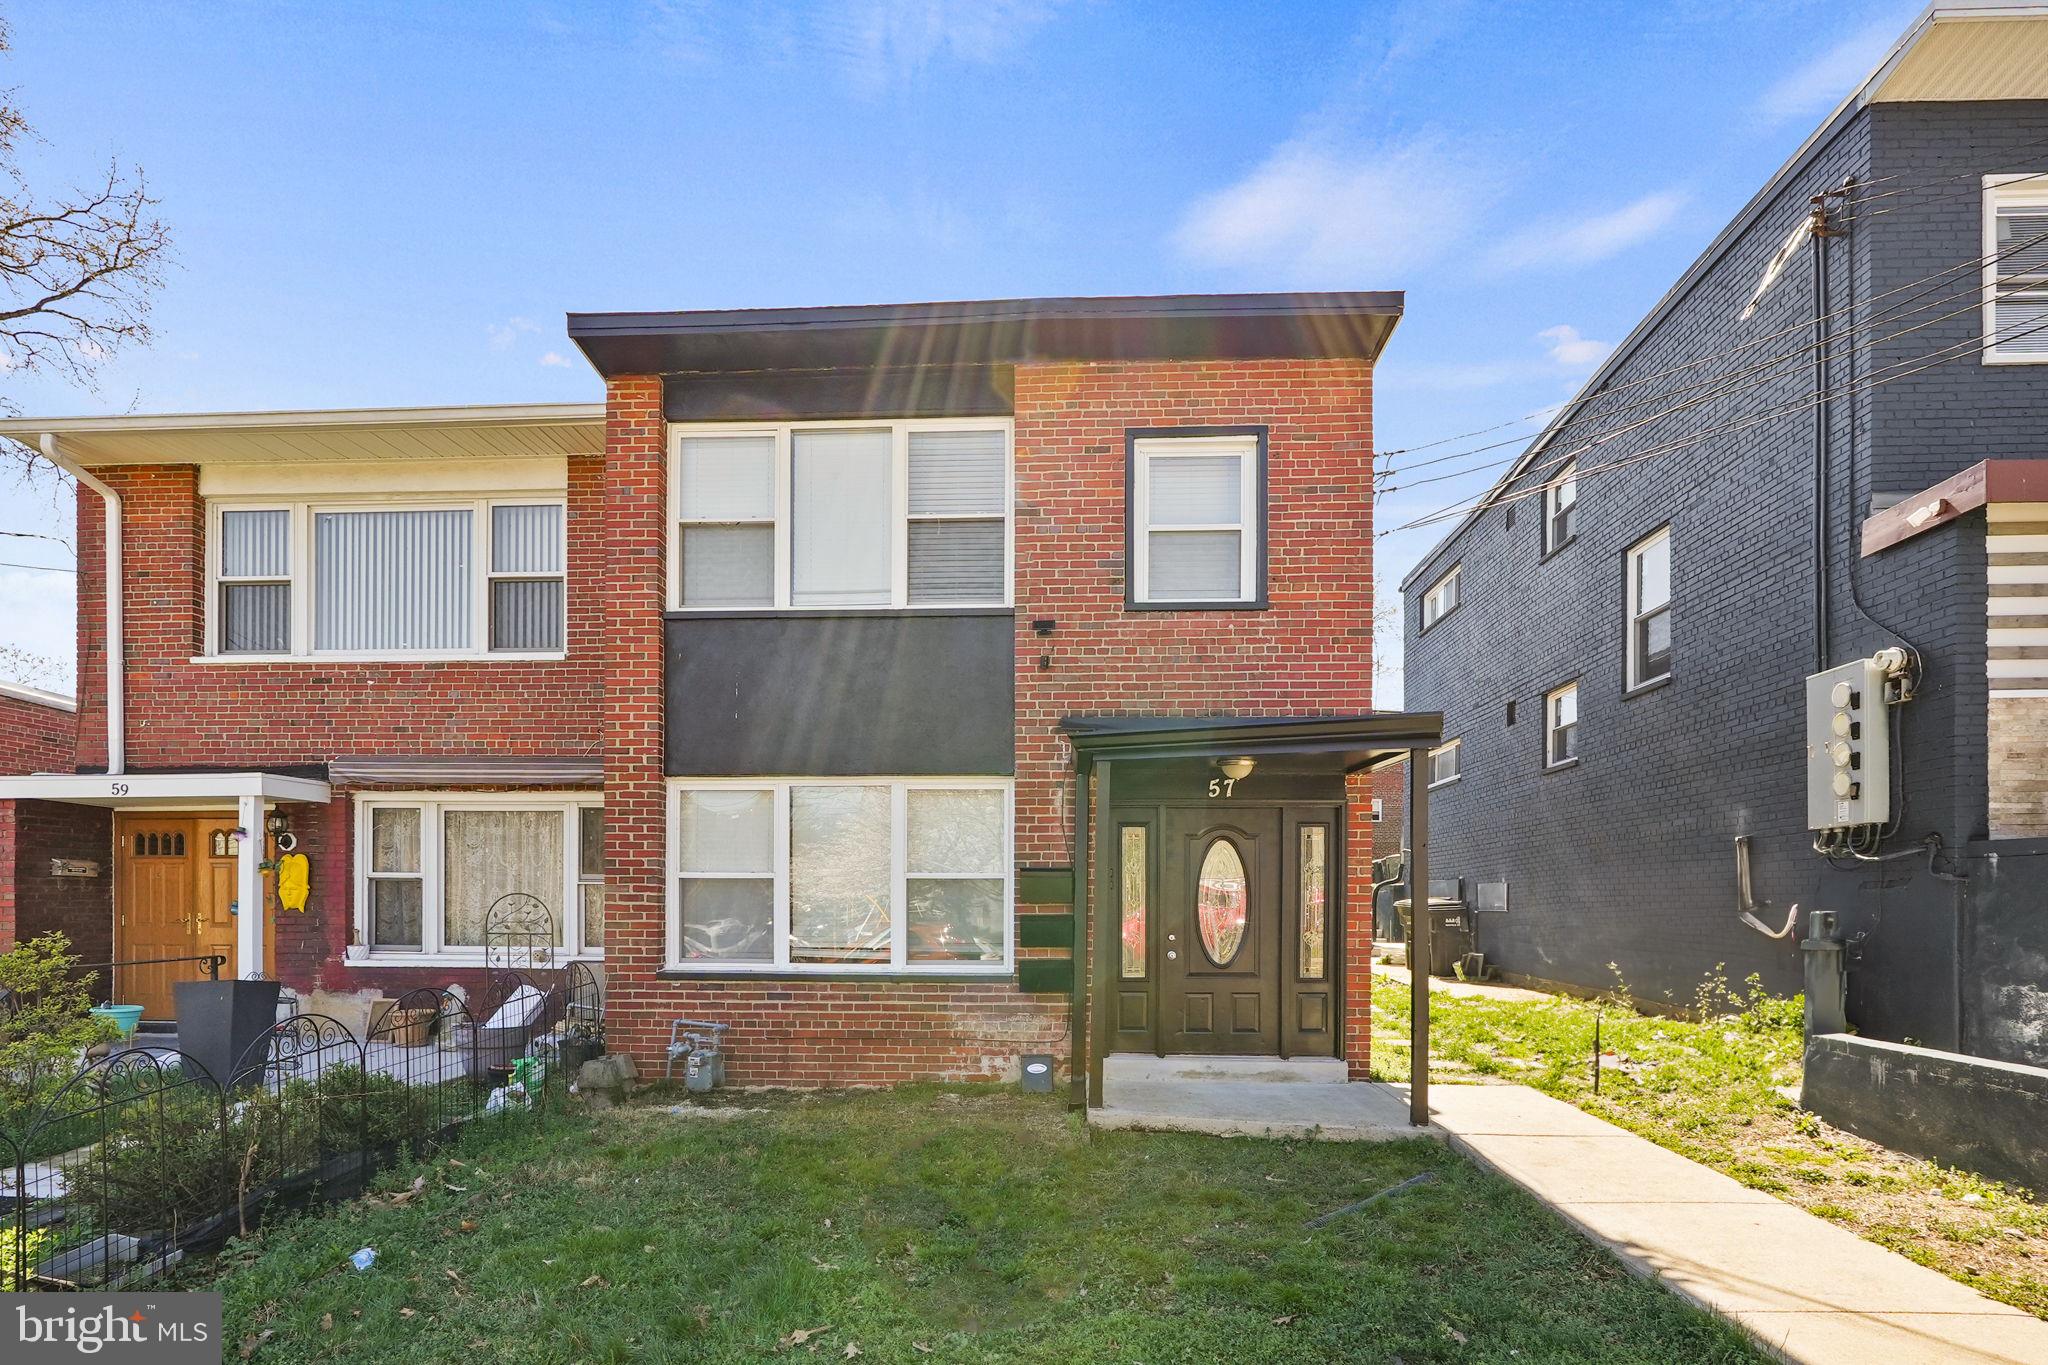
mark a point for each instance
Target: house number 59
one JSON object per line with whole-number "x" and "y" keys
{"x": 1221, "y": 786}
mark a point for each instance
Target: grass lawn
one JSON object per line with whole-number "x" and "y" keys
{"x": 1712, "y": 1091}
{"x": 939, "y": 1224}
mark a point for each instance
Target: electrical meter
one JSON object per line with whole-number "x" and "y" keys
{"x": 1848, "y": 746}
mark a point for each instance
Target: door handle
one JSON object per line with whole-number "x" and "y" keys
{"x": 1171, "y": 955}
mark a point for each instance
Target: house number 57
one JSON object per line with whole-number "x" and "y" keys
{"x": 1221, "y": 786}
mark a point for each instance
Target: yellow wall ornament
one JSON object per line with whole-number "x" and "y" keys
{"x": 294, "y": 881}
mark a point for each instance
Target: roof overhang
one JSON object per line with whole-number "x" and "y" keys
{"x": 1982, "y": 484}
{"x": 36, "y": 696}
{"x": 141, "y": 791}
{"x": 991, "y": 332}
{"x": 351, "y": 434}
{"x": 1346, "y": 743}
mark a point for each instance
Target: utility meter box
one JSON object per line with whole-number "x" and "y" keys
{"x": 1848, "y": 747}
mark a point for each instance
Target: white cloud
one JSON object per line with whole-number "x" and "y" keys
{"x": 892, "y": 40}
{"x": 505, "y": 335}
{"x": 556, "y": 359}
{"x": 1584, "y": 241}
{"x": 1573, "y": 351}
{"x": 1826, "y": 79}
{"x": 1314, "y": 212}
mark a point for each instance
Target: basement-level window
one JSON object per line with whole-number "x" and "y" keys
{"x": 434, "y": 579}
{"x": 831, "y": 516}
{"x": 840, "y": 875}
{"x": 429, "y": 866}
{"x": 1443, "y": 597}
{"x": 1649, "y": 609}
{"x": 2016, "y": 270}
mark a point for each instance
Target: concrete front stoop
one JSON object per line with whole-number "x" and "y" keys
{"x": 1807, "y": 1290}
{"x": 1250, "y": 1097}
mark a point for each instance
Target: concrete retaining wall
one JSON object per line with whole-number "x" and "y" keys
{"x": 1983, "y": 1116}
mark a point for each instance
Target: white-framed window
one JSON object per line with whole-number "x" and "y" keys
{"x": 1196, "y": 529}
{"x": 1379, "y": 809}
{"x": 1649, "y": 609}
{"x": 1561, "y": 726}
{"x": 1446, "y": 762}
{"x": 2016, "y": 269}
{"x": 1443, "y": 596}
{"x": 840, "y": 875}
{"x": 1560, "y": 506}
{"x": 474, "y": 578}
{"x": 429, "y": 865}
{"x": 837, "y": 515}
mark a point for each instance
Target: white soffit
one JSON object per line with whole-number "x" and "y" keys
{"x": 124, "y": 791}
{"x": 384, "y": 478}
{"x": 505, "y": 433}
{"x": 1965, "y": 56}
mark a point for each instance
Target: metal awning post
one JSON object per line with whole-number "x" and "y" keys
{"x": 1077, "y": 1028}
{"x": 249, "y": 889}
{"x": 1418, "y": 937}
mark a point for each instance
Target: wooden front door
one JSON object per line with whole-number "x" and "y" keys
{"x": 174, "y": 891}
{"x": 1229, "y": 929}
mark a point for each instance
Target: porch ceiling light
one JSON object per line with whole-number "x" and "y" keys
{"x": 1236, "y": 769}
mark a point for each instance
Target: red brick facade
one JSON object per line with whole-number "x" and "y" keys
{"x": 1308, "y": 652}
{"x": 38, "y": 738}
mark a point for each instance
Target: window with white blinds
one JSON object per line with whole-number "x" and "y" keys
{"x": 831, "y": 516}
{"x": 1195, "y": 523}
{"x": 2016, "y": 270}
{"x": 475, "y": 577}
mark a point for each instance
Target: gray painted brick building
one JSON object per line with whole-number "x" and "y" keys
{"x": 1713, "y": 425}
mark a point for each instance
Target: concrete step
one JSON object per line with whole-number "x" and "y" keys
{"x": 1142, "y": 1068}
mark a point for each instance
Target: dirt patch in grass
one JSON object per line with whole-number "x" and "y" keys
{"x": 1716, "y": 1091}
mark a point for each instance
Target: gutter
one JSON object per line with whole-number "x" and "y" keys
{"x": 117, "y": 672}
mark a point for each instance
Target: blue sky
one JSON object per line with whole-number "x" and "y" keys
{"x": 395, "y": 204}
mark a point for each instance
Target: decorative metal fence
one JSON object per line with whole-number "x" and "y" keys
{"x": 142, "y": 1157}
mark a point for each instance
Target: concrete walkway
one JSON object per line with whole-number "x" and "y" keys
{"x": 1805, "y": 1288}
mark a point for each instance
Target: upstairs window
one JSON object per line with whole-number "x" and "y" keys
{"x": 389, "y": 580}
{"x": 1442, "y": 598}
{"x": 1560, "y": 504}
{"x": 842, "y": 516}
{"x": 1561, "y": 726}
{"x": 1649, "y": 609}
{"x": 2016, "y": 269}
{"x": 1446, "y": 762}
{"x": 1196, "y": 518}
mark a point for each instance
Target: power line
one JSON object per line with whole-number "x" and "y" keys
{"x": 1927, "y": 361}
{"x": 43, "y": 568}
{"x": 1925, "y": 284}
{"x": 1726, "y": 386}
{"x": 37, "y": 535}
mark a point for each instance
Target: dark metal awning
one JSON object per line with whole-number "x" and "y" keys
{"x": 1347, "y": 743}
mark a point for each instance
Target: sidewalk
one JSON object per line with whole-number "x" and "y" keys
{"x": 1808, "y": 1290}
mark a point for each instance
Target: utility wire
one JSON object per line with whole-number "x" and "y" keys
{"x": 1927, "y": 361}
{"x": 1926, "y": 284}
{"x": 43, "y": 568}
{"x": 1725, "y": 387}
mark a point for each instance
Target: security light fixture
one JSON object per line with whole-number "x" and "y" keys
{"x": 1236, "y": 769}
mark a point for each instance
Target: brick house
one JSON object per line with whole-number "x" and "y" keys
{"x": 796, "y": 679}
{"x": 1619, "y": 634}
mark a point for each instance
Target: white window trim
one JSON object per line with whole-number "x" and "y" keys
{"x": 300, "y": 562}
{"x": 1554, "y": 502}
{"x": 1635, "y": 663}
{"x": 1551, "y": 727}
{"x": 432, "y": 805}
{"x": 2002, "y": 191}
{"x": 1250, "y": 553}
{"x": 899, "y": 508}
{"x": 1453, "y": 578}
{"x": 899, "y": 963}
{"x": 1379, "y": 809}
{"x": 1449, "y": 746}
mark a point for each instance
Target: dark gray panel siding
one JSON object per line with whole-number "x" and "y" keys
{"x": 890, "y": 693}
{"x": 1628, "y": 858}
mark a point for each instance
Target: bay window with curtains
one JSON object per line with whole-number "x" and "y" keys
{"x": 840, "y": 875}
{"x": 476, "y": 577}
{"x": 834, "y": 516}
{"x": 430, "y": 865}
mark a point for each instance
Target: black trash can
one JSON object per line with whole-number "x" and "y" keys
{"x": 1451, "y": 933}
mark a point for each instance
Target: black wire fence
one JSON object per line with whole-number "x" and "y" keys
{"x": 143, "y": 1158}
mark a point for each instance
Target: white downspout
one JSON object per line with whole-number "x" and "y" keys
{"x": 117, "y": 672}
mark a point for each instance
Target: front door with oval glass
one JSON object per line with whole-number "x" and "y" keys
{"x": 1240, "y": 950}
